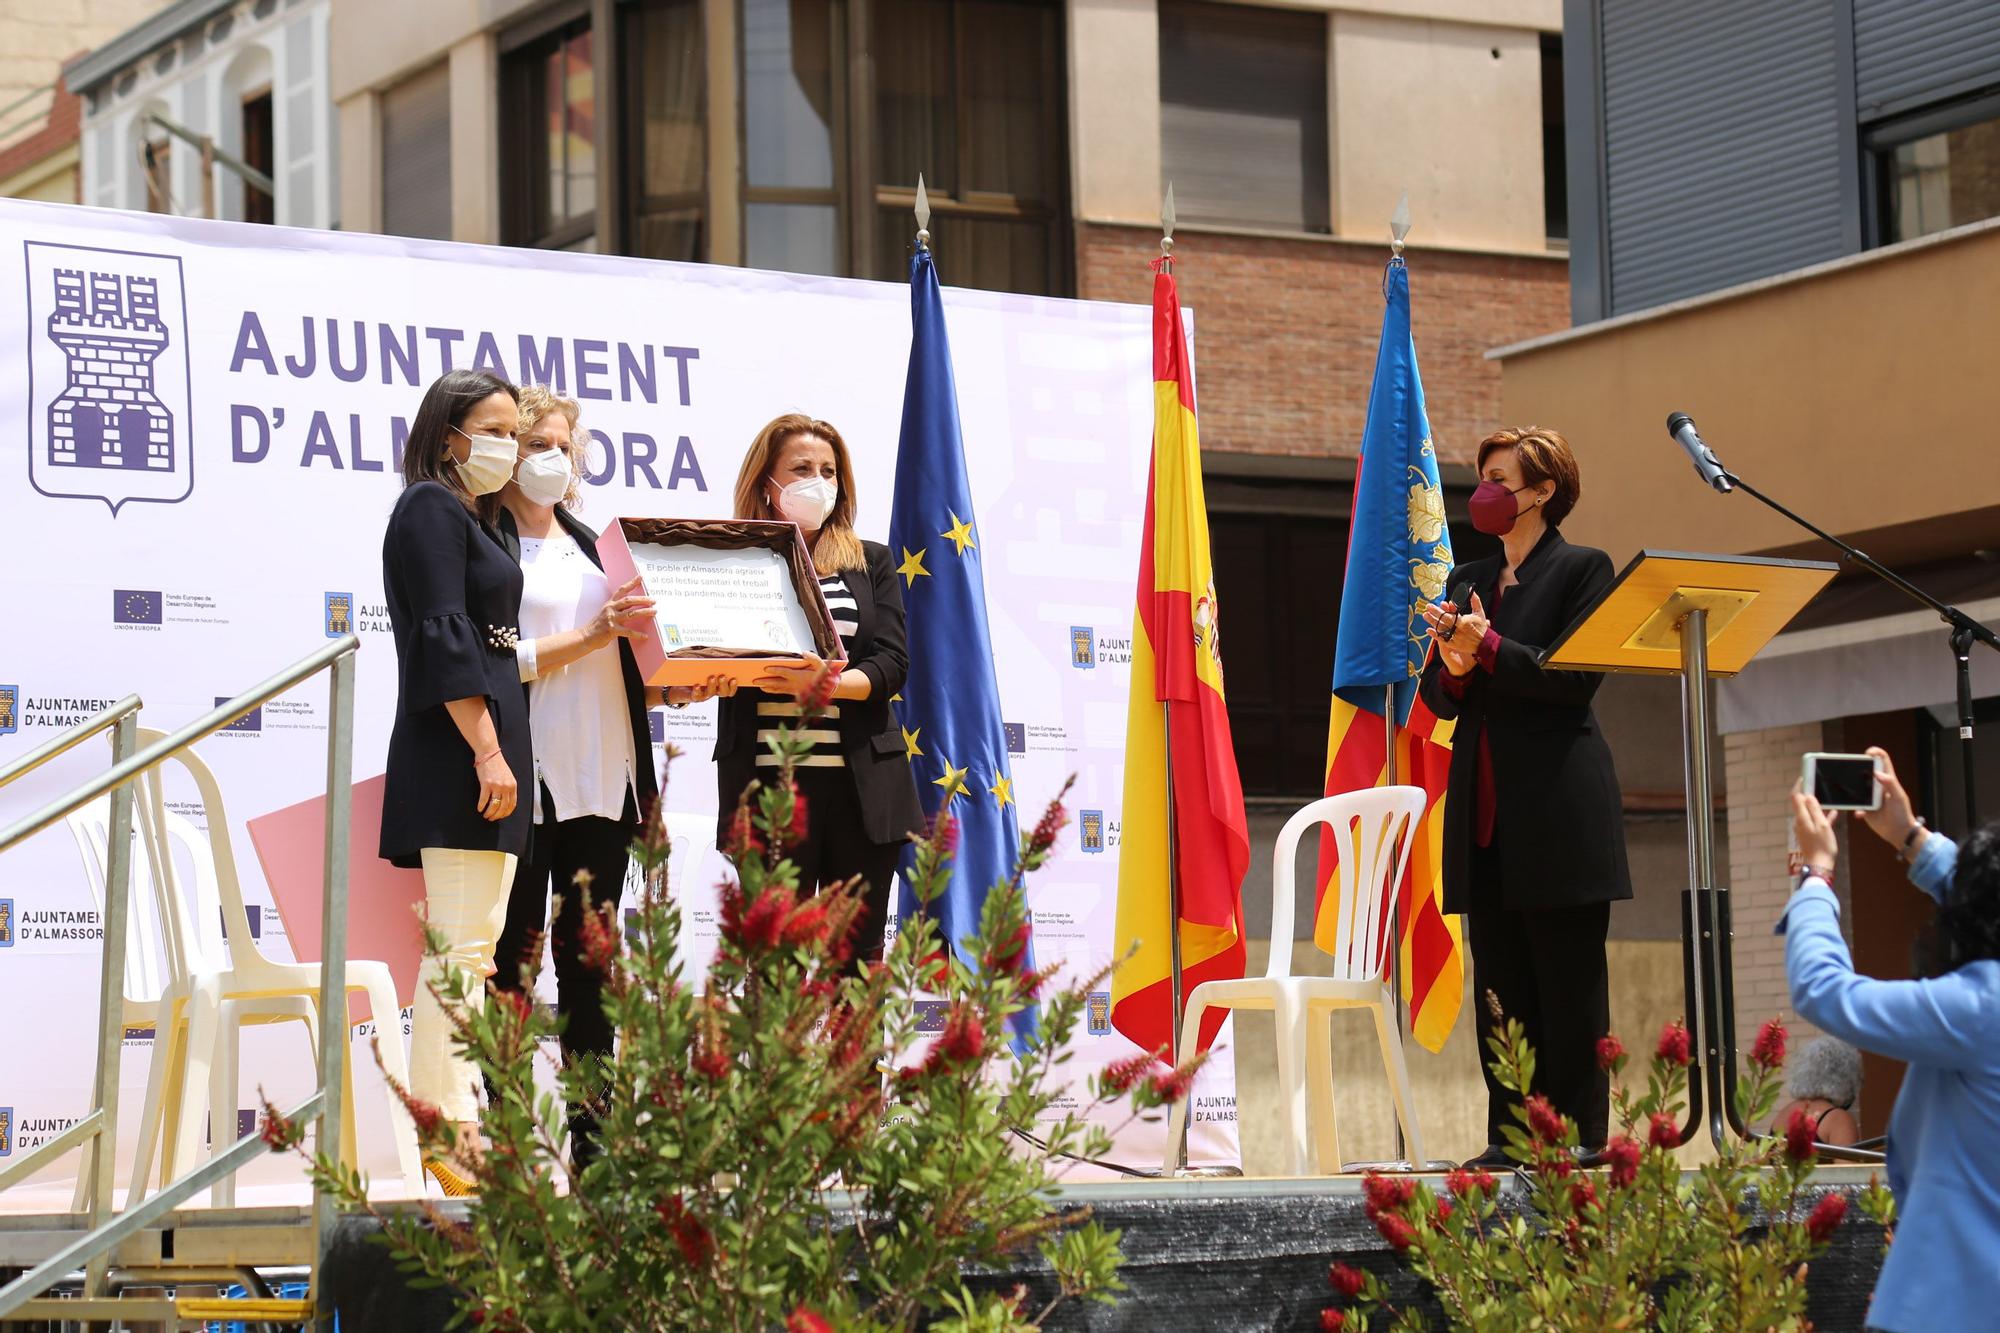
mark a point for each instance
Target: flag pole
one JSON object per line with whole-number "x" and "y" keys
{"x": 1173, "y": 841}
{"x": 1399, "y": 229}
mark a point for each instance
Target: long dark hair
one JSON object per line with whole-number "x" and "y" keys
{"x": 447, "y": 403}
{"x": 1967, "y": 925}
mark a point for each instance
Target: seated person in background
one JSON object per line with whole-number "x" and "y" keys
{"x": 1824, "y": 1081}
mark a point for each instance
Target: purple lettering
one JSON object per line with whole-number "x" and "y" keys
{"x": 585, "y": 368}
{"x": 252, "y": 345}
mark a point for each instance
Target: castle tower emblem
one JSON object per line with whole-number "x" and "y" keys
{"x": 108, "y": 374}
{"x": 108, "y": 326}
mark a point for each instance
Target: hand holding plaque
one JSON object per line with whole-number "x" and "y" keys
{"x": 731, "y": 598}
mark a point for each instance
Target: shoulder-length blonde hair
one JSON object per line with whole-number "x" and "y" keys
{"x": 838, "y": 547}
{"x": 537, "y": 401}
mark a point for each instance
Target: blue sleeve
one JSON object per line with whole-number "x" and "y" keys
{"x": 1942, "y": 1021}
{"x": 1932, "y": 869}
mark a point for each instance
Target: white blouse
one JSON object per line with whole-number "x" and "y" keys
{"x": 578, "y": 714}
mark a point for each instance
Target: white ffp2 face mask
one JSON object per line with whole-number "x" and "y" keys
{"x": 544, "y": 477}
{"x": 807, "y": 503}
{"x": 489, "y": 463}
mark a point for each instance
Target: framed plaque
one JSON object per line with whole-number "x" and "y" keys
{"x": 731, "y": 597}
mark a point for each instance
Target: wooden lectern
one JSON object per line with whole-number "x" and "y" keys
{"x": 1695, "y": 616}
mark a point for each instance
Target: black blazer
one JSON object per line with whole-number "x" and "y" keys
{"x": 1559, "y": 820}
{"x": 645, "y": 781}
{"x": 869, "y": 737}
{"x": 451, "y": 589}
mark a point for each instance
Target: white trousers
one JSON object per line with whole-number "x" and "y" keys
{"x": 465, "y": 898}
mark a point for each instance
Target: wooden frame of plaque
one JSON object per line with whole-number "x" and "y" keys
{"x": 695, "y": 663}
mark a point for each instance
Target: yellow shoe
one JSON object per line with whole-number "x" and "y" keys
{"x": 453, "y": 1184}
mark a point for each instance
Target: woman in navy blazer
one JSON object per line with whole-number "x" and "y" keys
{"x": 1944, "y": 1136}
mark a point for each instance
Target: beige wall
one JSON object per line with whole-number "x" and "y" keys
{"x": 1451, "y": 112}
{"x": 1418, "y": 101}
{"x": 1857, "y": 393}
{"x": 378, "y": 42}
{"x": 55, "y": 179}
{"x": 37, "y": 37}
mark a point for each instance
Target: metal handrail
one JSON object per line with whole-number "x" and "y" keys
{"x": 70, "y": 739}
{"x": 94, "y": 1248}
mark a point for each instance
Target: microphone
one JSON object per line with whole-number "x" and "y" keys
{"x": 1706, "y": 465}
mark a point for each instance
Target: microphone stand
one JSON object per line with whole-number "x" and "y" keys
{"x": 1965, "y": 631}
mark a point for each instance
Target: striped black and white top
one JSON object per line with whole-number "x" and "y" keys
{"x": 825, "y": 731}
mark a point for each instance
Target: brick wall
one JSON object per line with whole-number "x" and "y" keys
{"x": 1761, "y": 768}
{"x": 1286, "y": 330}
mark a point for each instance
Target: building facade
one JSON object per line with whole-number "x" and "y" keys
{"x": 40, "y": 156}
{"x": 249, "y": 76}
{"x": 1783, "y": 223}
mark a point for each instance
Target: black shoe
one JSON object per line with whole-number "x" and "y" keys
{"x": 1494, "y": 1158}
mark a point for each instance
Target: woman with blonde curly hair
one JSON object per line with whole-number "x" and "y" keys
{"x": 593, "y": 777}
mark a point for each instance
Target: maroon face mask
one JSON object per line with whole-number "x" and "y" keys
{"x": 1492, "y": 507}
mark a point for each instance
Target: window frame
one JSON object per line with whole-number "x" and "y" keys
{"x": 524, "y": 175}
{"x": 254, "y": 199}
{"x": 1880, "y": 140}
{"x": 620, "y": 107}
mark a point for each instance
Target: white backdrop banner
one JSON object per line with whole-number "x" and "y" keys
{"x": 204, "y": 423}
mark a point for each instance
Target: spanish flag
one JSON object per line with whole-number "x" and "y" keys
{"x": 1177, "y": 660}
{"x": 1398, "y": 556}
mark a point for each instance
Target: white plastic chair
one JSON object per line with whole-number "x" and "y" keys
{"x": 215, "y": 989}
{"x": 1373, "y": 831}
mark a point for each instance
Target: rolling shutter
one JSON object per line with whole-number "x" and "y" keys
{"x": 1722, "y": 144}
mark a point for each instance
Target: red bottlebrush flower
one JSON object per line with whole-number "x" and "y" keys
{"x": 806, "y": 924}
{"x": 1826, "y": 1217}
{"x": 426, "y": 1116}
{"x": 803, "y": 1320}
{"x": 964, "y": 1037}
{"x": 1441, "y": 1214}
{"x": 1332, "y": 1320}
{"x": 759, "y": 926}
{"x": 1662, "y": 1131}
{"x": 1622, "y": 1156}
{"x": 1171, "y": 1085}
{"x": 1582, "y": 1194}
{"x": 1387, "y": 1194}
{"x": 1011, "y": 954}
{"x": 697, "y": 1246}
{"x": 1121, "y": 1076}
{"x": 1487, "y": 1183}
{"x": 1347, "y": 1280}
{"x": 1460, "y": 1183}
{"x": 1053, "y": 821}
{"x": 711, "y": 1062}
{"x": 515, "y": 1002}
{"x": 1676, "y": 1046}
{"x": 601, "y": 939}
{"x": 1769, "y": 1051}
{"x": 1560, "y": 1165}
{"x": 1799, "y": 1136}
{"x": 944, "y": 833}
{"x": 1610, "y": 1051}
{"x": 795, "y": 832}
{"x": 1399, "y": 1233}
{"x": 278, "y": 1132}
{"x": 1544, "y": 1121}
{"x": 933, "y": 969}
{"x": 816, "y": 988}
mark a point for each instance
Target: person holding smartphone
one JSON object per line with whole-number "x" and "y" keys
{"x": 1944, "y": 1134}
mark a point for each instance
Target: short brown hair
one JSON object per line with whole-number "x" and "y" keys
{"x": 1545, "y": 456}
{"x": 838, "y": 548}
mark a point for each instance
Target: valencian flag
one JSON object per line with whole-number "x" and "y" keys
{"x": 1398, "y": 557}
{"x": 949, "y": 707}
{"x": 1176, "y": 659}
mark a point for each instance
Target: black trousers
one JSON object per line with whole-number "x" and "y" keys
{"x": 1547, "y": 969}
{"x": 836, "y": 847}
{"x": 557, "y": 850}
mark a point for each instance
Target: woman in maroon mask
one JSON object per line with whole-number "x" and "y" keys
{"x": 1534, "y": 836}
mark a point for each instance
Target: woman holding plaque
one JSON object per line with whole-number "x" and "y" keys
{"x": 861, "y": 798}
{"x": 460, "y": 742}
{"x": 593, "y": 778}
{"x": 1534, "y": 836}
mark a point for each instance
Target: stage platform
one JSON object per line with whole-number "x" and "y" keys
{"x": 1246, "y": 1255}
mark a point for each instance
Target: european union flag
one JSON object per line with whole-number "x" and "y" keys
{"x": 1399, "y": 548}
{"x": 950, "y": 708}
